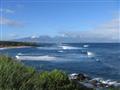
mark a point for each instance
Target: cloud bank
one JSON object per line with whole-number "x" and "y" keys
{"x": 107, "y": 32}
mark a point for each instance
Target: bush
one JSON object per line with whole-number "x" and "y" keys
{"x": 12, "y": 74}
{"x": 55, "y": 80}
{"x": 16, "y": 76}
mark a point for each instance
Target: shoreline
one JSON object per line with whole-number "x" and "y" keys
{"x": 94, "y": 82}
{"x": 13, "y": 47}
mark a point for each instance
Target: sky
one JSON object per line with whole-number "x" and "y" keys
{"x": 75, "y": 18}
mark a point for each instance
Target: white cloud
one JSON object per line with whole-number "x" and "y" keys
{"x": 107, "y": 32}
{"x": 110, "y": 29}
{"x": 6, "y": 10}
{"x": 13, "y": 35}
{"x": 10, "y": 22}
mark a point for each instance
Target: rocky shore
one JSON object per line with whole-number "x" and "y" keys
{"x": 94, "y": 83}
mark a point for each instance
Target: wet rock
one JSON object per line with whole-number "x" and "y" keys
{"x": 79, "y": 77}
{"x": 94, "y": 82}
{"x": 82, "y": 77}
{"x": 86, "y": 81}
{"x": 73, "y": 76}
{"x": 117, "y": 85}
{"x": 88, "y": 85}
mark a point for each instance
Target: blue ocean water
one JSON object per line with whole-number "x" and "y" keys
{"x": 95, "y": 59}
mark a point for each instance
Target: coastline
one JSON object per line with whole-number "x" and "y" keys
{"x": 13, "y": 47}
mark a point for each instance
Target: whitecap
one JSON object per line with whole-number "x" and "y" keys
{"x": 47, "y": 48}
{"x": 108, "y": 82}
{"x": 90, "y": 54}
{"x": 37, "y": 58}
{"x": 85, "y": 46}
{"x": 68, "y": 47}
{"x": 2, "y": 48}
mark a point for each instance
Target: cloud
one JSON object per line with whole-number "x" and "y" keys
{"x": 107, "y": 32}
{"x": 6, "y": 10}
{"x": 13, "y": 35}
{"x": 10, "y": 22}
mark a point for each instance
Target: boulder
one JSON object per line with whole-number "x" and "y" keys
{"x": 79, "y": 77}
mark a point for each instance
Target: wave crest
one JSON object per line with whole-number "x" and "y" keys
{"x": 38, "y": 58}
{"x": 69, "y": 47}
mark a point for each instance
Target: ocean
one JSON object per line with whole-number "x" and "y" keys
{"x": 94, "y": 59}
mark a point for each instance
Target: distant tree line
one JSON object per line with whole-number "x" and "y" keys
{"x": 14, "y": 43}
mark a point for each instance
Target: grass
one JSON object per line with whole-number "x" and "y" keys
{"x": 16, "y": 76}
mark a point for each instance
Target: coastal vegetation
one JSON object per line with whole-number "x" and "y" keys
{"x": 15, "y": 44}
{"x": 16, "y": 76}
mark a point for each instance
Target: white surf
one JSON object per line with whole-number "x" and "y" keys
{"x": 37, "y": 58}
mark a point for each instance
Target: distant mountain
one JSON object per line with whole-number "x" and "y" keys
{"x": 35, "y": 39}
{"x": 48, "y": 39}
{"x": 64, "y": 39}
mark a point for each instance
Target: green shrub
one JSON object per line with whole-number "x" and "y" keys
{"x": 13, "y": 74}
{"x": 16, "y": 76}
{"x": 55, "y": 80}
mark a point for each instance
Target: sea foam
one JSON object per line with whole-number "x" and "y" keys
{"x": 65, "y": 47}
{"x": 38, "y": 58}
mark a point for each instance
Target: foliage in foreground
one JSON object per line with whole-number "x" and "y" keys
{"x": 16, "y": 76}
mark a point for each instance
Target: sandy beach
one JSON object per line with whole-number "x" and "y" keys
{"x": 12, "y": 47}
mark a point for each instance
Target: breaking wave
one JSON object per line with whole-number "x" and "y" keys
{"x": 47, "y": 48}
{"x": 60, "y": 51}
{"x": 69, "y": 47}
{"x": 37, "y": 58}
{"x": 109, "y": 82}
{"x": 85, "y": 46}
{"x": 90, "y": 54}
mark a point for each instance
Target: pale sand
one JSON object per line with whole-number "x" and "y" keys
{"x": 12, "y": 47}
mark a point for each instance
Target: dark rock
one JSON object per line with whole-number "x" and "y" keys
{"x": 86, "y": 81}
{"x": 82, "y": 77}
{"x": 94, "y": 82}
{"x": 79, "y": 77}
